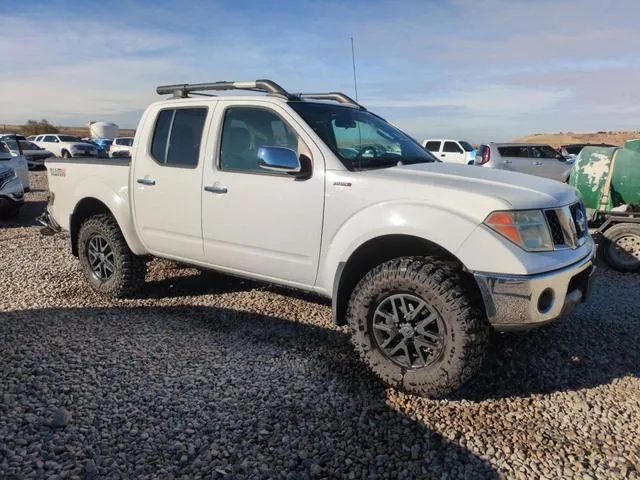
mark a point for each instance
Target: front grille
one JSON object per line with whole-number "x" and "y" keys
{"x": 567, "y": 225}
{"x": 579, "y": 217}
{"x": 554, "y": 225}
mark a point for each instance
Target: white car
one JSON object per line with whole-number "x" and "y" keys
{"x": 121, "y": 147}
{"x": 65, "y": 146}
{"x": 452, "y": 151}
{"x": 421, "y": 258}
{"x": 34, "y": 154}
{"x": 11, "y": 192}
{"x": 17, "y": 162}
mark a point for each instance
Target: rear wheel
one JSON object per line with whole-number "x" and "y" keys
{"x": 416, "y": 325}
{"x": 107, "y": 261}
{"x": 620, "y": 247}
{"x": 66, "y": 154}
{"x": 9, "y": 211}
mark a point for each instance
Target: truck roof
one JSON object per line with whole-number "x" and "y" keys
{"x": 269, "y": 88}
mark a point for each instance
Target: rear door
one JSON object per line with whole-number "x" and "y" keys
{"x": 167, "y": 180}
{"x": 452, "y": 152}
{"x": 514, "y": 158}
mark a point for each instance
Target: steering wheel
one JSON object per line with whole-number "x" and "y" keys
{"x": 364, "y": 149}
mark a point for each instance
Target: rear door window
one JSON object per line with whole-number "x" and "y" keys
{"x": 49, "y": 138}
{"x": 433, "y": 146}
{"x": 466, "y": 145}
{"x": 177, "y": 137}
{"x": 514, "y": 151}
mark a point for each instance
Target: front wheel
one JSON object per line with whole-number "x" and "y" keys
{"x": 66, "y": 154}
{"x": 620, "y": 247}
{"x": 416, "y": 325}
{"x": 106, "y": 260}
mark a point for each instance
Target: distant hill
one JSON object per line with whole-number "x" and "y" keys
{"x": 563, "y": 138}
{"x": 76, "y": 131}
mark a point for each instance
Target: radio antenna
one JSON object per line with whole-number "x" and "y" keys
{"x": 353, "y": 61}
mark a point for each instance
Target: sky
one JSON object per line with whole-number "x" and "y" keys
{"x": 487, "y": 70}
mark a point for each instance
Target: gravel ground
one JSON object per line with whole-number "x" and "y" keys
{"x": 205, "y": 376}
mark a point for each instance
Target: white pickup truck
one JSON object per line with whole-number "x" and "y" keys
{"x": 420, "y": 258}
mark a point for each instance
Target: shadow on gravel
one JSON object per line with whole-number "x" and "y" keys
{"x": 210, "y": 282}
{"x": 189, "y": 391}
{"x": 595, "y": 345}
{"x": 585, "y": 350}
{"x": 27, "y": 216}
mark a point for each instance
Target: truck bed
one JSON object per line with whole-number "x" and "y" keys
{"x": 103, "y": 179}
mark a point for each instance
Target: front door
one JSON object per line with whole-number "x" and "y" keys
{"x": 255, "y": 221}
{"x": 167, "y": 182}
{"x": 452, "y": 152}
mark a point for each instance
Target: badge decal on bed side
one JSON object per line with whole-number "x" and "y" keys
{"x": 58, "y": 172}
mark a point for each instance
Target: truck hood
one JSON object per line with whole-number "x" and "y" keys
{"x": 475, "y": 188}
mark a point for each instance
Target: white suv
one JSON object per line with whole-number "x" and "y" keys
{"x": 121, "y": 147}
{"x": 453, "y": 151}
{"x": 66, "y": 146}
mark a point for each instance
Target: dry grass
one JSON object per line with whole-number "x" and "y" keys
{"x": 76, "y": 131}
{"x": 563, "y": 138}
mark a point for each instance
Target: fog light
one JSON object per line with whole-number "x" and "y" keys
{"x": 545, "y": 300}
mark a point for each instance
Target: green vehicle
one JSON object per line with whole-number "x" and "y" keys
{"x": 609, "y": 180}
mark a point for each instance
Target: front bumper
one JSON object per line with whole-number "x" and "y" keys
{"x": 521, "y": 302}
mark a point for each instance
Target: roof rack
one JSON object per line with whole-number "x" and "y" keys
{"x": 337, "y": 96}
{"x": 183, "y": 90}
{"x": 267, "y": 86}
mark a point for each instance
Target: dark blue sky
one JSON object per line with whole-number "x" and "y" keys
{"x": 488, "y": 70}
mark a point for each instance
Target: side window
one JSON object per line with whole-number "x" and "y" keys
{"x": 433, "y": 146}
{"x": 245, "y": 130}
{"x": 451, "y": 147}
{"x": 49, "y": 138}
{"x": 177, "y": 136}
{"x": 518, "y": 152}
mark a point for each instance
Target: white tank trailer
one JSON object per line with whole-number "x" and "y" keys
{"x": 103, "y": 129}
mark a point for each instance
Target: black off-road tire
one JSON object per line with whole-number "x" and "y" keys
{"x": 629, "y": 235}
{"x": 65, "y": 154}
{"x": 129, "y": 272}
{"x": 441, "y": 287}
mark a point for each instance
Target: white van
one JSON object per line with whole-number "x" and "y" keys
{"x": 452, "y": 151}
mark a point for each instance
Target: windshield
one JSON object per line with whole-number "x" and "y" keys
{"x": 360, "y": 139}
{"x": 69, "y": 138}
{"x": 466, "y": 145}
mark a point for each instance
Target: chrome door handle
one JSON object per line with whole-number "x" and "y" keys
{"x": 215, "y": 189}
{"x": 537, "y": 163}
{"x": 146, "y": 181}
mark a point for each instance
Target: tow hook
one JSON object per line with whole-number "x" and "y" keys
{"x": 50, "y": 227}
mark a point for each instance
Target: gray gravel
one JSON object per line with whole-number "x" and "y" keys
{"x": 205, "y": 376}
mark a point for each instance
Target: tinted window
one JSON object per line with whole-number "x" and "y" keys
{"x": 177, "y": 136}
{"x": 245, "y": 130}
{"x": 49, "y": 138}
{"x": 451, "y": 147}
{"x": 433, "y": 146}
{"x": 519, "y": 152}
{"x": 573, "y": 150}
{"x": 466, "y": 145}
{"x": 69, "y": 138}
{"x": 544, "y": 151}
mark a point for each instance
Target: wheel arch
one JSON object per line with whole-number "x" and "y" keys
{"x": 379, "y": 250}
{"x": 90, "y": 206}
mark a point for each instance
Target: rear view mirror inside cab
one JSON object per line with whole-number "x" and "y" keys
{"x": 345, "y": 123}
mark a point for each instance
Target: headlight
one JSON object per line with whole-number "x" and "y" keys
{"x": 528, "y": 229}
